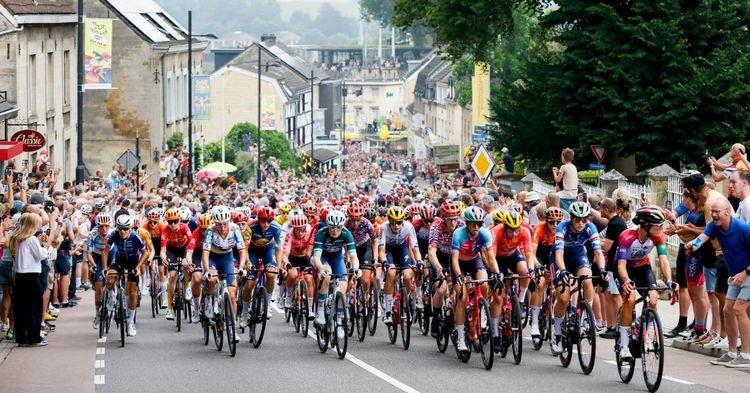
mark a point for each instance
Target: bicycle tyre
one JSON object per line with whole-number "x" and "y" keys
{"x": 122, "y": 316}
{"x": 177, "y": 303}
{"x": 586, "y": 321}
{"x": 503, "y": 329}
{"x": 103, "y": 317}
{"x": 361, "y": 314}
{"x": 567, "y": 353}
{"x": 516, "y": 330}
{"x": 373, "y": 310}
{"x": 424, "y": 323}
{"x": 341, "y": 344}
{"x": 229, "y": 324}
{"x": 653, "y": 380}
{"x": 321, "y": 335}
{"x": 206, "y": 327}
{"x": 525, "y": 311}
{"x": 406, "y": 315}
{"x": 392, "y": 327}
{"x": 624, "y": 369}
{"x": 543, "y": 331}
{"x": 260, "y": 314}
{"x": 304, "y": 311}
{"x": 154, "y": 293}
{"x": 351, "y": 306}
{"x": 486, "y": 344}
{"x": 218, "y": 330}
{"x": 296, "y": 307}
{"x": 444, "y": 338}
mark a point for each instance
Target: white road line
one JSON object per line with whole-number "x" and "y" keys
{"x": 99, "y": 364}
{"x": 682, "y": 381}
{"x": 103, "y": 339}
{"x": 98, "y": 379}
{"x": 100, "y": 351}
{"x": 362, "y": 364}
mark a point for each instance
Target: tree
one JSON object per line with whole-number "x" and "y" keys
{"x": 330, "y": 21}
{"x": 300, "y": 18}
{"x": 381, "y": 11}
{"x": 274, "y": 144}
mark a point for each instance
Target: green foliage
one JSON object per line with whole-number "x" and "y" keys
{"x": 245, "y": 167}
{"x": 590, "y": 176}
{"x": 274, "y": 144}
{"x": 175, "y": 141}
{"x": 381, "y": 11}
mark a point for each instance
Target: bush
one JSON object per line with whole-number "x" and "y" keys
{"x": 176, "y": 141}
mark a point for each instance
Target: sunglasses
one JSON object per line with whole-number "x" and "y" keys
{"x": 172, "y": 222}
{"x": 397, "y": 223}
{"x": 556, "y": 222}
{"x": 335, "y": 227}
{"x": 123, "y": 229}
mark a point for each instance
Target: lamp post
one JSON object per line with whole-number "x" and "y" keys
{"x": 190, "y": 97}
{"x": 260, "y": 65}
{"x": 79, "y": 99}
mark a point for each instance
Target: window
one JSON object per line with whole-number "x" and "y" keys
{"x": 357, "y": 112}
{"x": 49, "y": 86}
{"x": 68, "y": 153}
{"x": 51, "y": 155}
{"x": 375, "y": 91}
{"x": 168, "y": 99}
{"x": 178, "y": 97}
{"x": 31, "y": 89}
{"x": 375, "y": 112}
{"x": 66, "y": 78}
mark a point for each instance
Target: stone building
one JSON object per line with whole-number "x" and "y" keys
{"x": 149, "y": 95}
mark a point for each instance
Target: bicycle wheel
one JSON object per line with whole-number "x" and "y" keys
{"x": 259, "y": 314}
{"x": 304, "y": 309}
{"x": 206, "y": 327}
{"x": 625, "y": 369}
{"x": 361, "y": 314}
{"x": 516, "y": 330}
{"x": 229, "y": 324}
{"x": 373, "y": 310}
{"x": 405, "y": 312}
{"x": 351, "y": 307}
{"x": 154, "y": 293}
{"x": 652, "y": 349}
{"x": 586, "y": 343}
{"x": 486, "y": 344}
{"x": 321, "y": 335}
{"x": 543, "y": 330}
{"x": 218, "y": 328}
{"x": 177, "y": 303}
{"x": 392, "y": 327}
{"x": 445, "y": 329}
{"x": 341, "y": 321}
{"x": 103, "y": 316}
{"x": 525, "y": 310}
{"x": 424, "y": 320}
{"x": 122, "y": 316}
{"x": 567, "y": 343}
{"x": 503, "y": 330}
{"x": 296, "y": 306}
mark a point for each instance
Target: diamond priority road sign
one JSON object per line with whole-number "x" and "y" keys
{"x": 483, "y": 164}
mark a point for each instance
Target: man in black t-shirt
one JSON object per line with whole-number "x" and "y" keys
{"x": 610, "y": 235}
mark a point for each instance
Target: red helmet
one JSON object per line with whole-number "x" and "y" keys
{"x": 310, "y": 210}
{"x": 427, "y": 211}
{"x": 355, "y": 210}
{"x": 414, "y": 209}
{"x": 324, "y": 213}
{"x": 554, "y": 213}
{"x": 239, "y": 217}
{"x": 449, "y": 209}
{"x": 369, "y": 205}
{"x": 299, "y": 221}
{"x": 266, "y": 214}
{"x": 152, "y": 215}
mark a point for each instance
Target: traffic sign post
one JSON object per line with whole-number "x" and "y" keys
{"x": 129, "y": 160}
{"x": 483, "y": 164}
{"x": 599, "y": 152}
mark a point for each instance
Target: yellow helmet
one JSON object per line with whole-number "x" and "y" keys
{"x": 285, "y": 208}
{"x": 512, "y": 219}
{"x": 396, "y": 213}
{"x": 461, "y": 205}
{"x": 498, "y": 216}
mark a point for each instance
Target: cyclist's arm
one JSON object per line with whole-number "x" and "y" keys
{"x": 454, "y": 263}
{"x": 622, "y": 269}
{"x": 105, "y": 255}
{"x": 489, "y": 261}
{"x": 560, "y": 248}
{"x": 164, "y": 244}
{"x": 286, "y": 248}
{"x": 529, "y": 250}
{"x": 381, "y": 244}
{"x": 432, "y": 257}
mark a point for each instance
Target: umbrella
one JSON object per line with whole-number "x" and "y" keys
{"x": 209, "y": 174}
{"x": 221, "y": 166}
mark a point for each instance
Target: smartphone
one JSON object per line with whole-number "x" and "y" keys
{"x": 25, "y": 162}
{"x": 668, "y": 205}
{"x": 643, "y": 196}
{"x": 708, "y": 153}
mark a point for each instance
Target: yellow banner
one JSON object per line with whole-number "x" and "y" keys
{"x": 98, "y": 53}
{"x": 480, "y": 94}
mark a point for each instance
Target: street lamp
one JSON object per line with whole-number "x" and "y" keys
{"x": 260, "y": 65}
{"x": 344, "y": 93}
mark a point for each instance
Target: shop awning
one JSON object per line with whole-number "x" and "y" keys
{"x": 9, "y": 150}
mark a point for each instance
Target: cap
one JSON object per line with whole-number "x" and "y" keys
{"x": 694, "y": 182}
{"x": 17, "y": 207}
{"x": 532, "y": 196}
{"x": 36, "y": 199}
{"x": 488, "y": 200}
{"x": 504, "y": 150}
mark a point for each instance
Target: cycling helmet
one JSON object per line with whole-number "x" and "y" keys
{"x": 124, "y": 221}
{"x": 185, "y": 214}
{"x": 461, "y": 205}
{"x": 99, "y": 203}
{"x": 554, "y": 213}
{"x": 172, "y": 215}
{"x": 498, "y": 216}
{"x": 220, "y": 214}
{"x": 299, "y": 221}
{"x": 652, "y": 215}
{"x": 579, "y": 209}
{"x": 355, "y": 210}
{"x": 335, "y": 218}
{"x": 160, "y": 212}
{"x": 450, "y": 209}
{"x": 427, "y": 211}
{"x": 103, "y": 219}
{"x": 240, "y": 218}
{"x": 152, "y": 215}
{"x": 382, "y": 210}
{"x": 369, "y": 205}
{"x": 517, "y": 207}
{"x": 205, "y": 221}
{"x": 371, "y": 213}
{"x": 86, "y": 209}
{"x": 512, "y": 219}
{"x": 473, "y": 214}
{"x": 324, "y": 212}
{"x": 396, "y": 213}
{"x": 285, "y": 208}
{"x": 310, "y": 210}
{"x": 266, "y": 214}
{"x": 414, "y": 209}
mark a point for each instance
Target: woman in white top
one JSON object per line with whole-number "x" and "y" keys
{"x": 567, "y": 179}
{"x": 27, "y": 289}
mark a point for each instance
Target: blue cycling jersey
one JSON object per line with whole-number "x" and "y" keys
{"x": 129, "y": 248}
{"x": 569, "y": 241}
{"x": 269, "y": 239}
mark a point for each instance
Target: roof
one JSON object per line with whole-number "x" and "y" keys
{"x": 30, "y": 7}
{"x": 8, "y": 110}
{"x": 322, "y": 155}
{"x": 436, "y": 66}
{"x": 149, "y": 19}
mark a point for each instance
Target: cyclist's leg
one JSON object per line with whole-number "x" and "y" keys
{"x": 247, "y": 291}
{"x": 390, "y": 280}
{"x": 269, "y": 261}
{"x": 172, "y": 276}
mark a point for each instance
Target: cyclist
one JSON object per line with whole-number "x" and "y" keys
{"x": 295, "y": 257}
{"x": 542, "y": 242}
{"x": 155, "y": 227}
{"x": 571, "y": 238}
{"x": 471, "y": 253}
{"x": 422, "y": 222}
{"x": 265, "y": 244}
{"x": 397, "y": 248}
{"x": 283, "y": 216}
{"x": 439, "y": 255}
{"x": 129, "y": 255}
{"x": 97, "y": 242}
{"x": 365, "y": 241}
{"x": 513, "y": 253}
{"x": 328, "y": 258}
{"x": 193, "y": 256}
{"x": 218, "y": 243}
{"x": 175, "y": 239}
{"x": 146, "y": 237}
{"x": 186, "y": 216}
{"x": 634, "y": 266}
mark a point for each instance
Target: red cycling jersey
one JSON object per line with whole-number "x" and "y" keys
{"x": 196, "y": 240}
{"x": 505, "y": 246}
{"x": 176, "y": 239}
{"x": 297, "y": 246}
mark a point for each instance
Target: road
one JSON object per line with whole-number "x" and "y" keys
{"x": 161, "y": 359}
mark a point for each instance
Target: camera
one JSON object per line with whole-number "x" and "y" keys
{"x": 49, "y": 206}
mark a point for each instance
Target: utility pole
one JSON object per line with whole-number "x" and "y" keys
{"x": 259, "y": 65}
{"x": 79, "y": 100}
{"x": 312, "y": 119}
{"x": 190, "y": 97}
{"x": 343, "y": 125}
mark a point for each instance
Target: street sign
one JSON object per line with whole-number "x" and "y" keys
{"x": 32, "y": 140}
{"x": 128, "y": 160}
{"x": 480, "y": 136}
{"x": 483, "y": 164}
{"x": 601, "y": 167}
{"x": 445, "y": 154}
{"x": 599, "y": 152}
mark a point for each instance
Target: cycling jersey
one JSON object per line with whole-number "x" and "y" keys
{"x": 542, "y": 236}
{"x": 566, "y": 239}
{"x": 196, "y": 240}
{"x": 326, "y": 244}
{"x": 281, "y": 220}
{"x": 506, "y": 246}
{"x": 468, "y": 249}
{"x": 363, "y": 233}
{"x": 129, "y": 249}
{"x": 97, "y": 242}
{"x": 176, "y": 239}
{"x": 146, "y": 237}
{"x": 405, "y": 235}
{"x": 155, "y": 231}
{"x": 630, "y": 249}
{"x": 295, "y": 245}
{"x": 422, "y": 230}
{"x": 268, "y": 239}
{"x": 214, "y": 242}
{"x": 440, "y": 238}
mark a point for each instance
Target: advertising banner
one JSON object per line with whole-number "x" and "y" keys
{"x": 98, "y": 53}
{"x": 268, "y": 110}
{"x": 202, "y": 97}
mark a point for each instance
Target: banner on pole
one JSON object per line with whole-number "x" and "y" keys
{"x": 202, "y": 97}
{"x": 98, "y": 53}
{"x": 319, "y": 122}
{"x": 268, "y": 110}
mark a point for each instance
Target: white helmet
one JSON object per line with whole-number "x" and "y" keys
{"x": 160, "y": 211}
{"x": 103, "y": 219}
{"x": 185, "y": 213}
{"x": 99, "y": 203}
{"x": 124, "y": 221}
{"x": 220, "y": 214}
{"x": 336, "y": 218}
{"x": 86, "y": 209}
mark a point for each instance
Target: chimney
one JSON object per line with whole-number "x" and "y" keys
{"x": 268, "y": 39}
